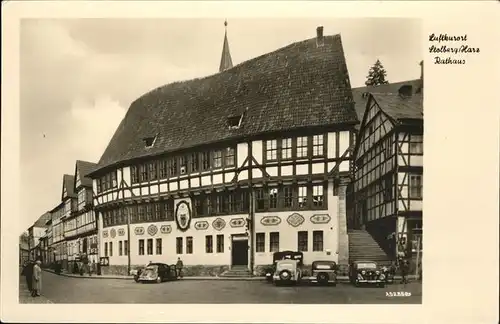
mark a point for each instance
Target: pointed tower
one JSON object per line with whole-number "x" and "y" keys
{"x": 225, "y": 62}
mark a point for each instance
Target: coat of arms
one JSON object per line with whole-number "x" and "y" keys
{"x": 183, "y": 215}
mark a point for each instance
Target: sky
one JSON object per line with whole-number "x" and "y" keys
{"x": 79, "y": 76}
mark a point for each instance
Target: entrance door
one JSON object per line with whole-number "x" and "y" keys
{"x": 239, "y": 251}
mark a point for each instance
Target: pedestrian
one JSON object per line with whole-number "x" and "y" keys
{"x": 179, "y": 265}
{"x": 92, "y": 268}
{"x": 37, "y": 279}
{"x": 28, "y": 274}
{"x": 404, "y": 271}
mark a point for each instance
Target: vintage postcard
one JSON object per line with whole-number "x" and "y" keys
{"x": 249, "y": 162}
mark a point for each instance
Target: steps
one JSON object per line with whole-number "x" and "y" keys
{"x": 237, "y": 272}
{"x": 362, "y": 246}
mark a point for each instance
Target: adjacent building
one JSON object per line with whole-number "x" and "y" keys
{"x": 58, "y": 247}
{"x": 222, "y": 171}
{"x": 388, "y": 172}
{"x": 35, "y": 232}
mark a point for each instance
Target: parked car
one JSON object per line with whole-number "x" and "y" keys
{"x": 157, "y": 272}
{"x": 324, "y": 272}
{"x": 366, "y": 272}
{"x": 284, "y": 255}
{"x": 287, "y": 272}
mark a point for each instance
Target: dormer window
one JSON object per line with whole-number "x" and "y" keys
{"x": 149, "y": 141}
{"x": 234, "y": 122}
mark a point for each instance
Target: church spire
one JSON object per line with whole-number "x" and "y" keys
{"x": 225, "y": 62}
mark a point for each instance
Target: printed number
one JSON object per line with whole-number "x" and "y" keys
{"x": 397, "y": 294}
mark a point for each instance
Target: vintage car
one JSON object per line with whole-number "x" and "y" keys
{"x": 157, "y": 272}
{"x": 324, "y": 272}
{"x": 366, "y": 272}
{"x": 284, "y": 255}
{"x": 287, "y": 272}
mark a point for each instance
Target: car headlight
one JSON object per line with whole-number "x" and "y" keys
{"x": 363, "y": 272}
{"x": 360, "y": 276}
{"x": 377, "y": 272}
{"x": 382, "y": 277}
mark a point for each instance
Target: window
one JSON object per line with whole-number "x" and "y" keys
{"x": 110, "y": 249}
{"x": 178, "y": 245}
{"x": 271, "y": 150}
{"x": 317, "y": 241}
{"x": 217, "y": 155}
{"x": 302, "y": 241}
{"x": 286, "y": 148}
{"x": 158, "y": 246}
{"x": 209, "y": 248}
{"x": 143, "y": 173}
{"x": 302, "y": 196}
{"x": 162, "y": 169}
{"x": 150, "y": 246}
{"x": 189, "y": 245}
{"x": 416, "y": 148}
{"x": 416, "y": 186}
{"x": 220, "y": 243}
{"x": 260, "y": 242}
{"x": 149, "y": 212}
{"x": 302, "y": 147}
{"x": 317, "y": 196}
{"x": 172, "y": 167}
{"x": 125, "y": 247}
{"x": 183, "y": 165}
{"x": 273, "y": 198}
{"x": 134, "y": 174}
{"x": 152, "y": 171}
{"x": 141, "y": 247}
{"x": 229, "y": 157}
{"x": 120, "y": 248}
{"x": 318, "y": 145}
{"x": 287, "y": 197}
{"x": 193, "y": 161}
{"x": 168, "y": 210}
{"x": 274, "y": 242}
{"x": 260, "y": 200}
{"x": 388, "y": 190}
{"x": 205, "y": 161}
{"x": 106, "y": 249}
{"x": 99, "y": 184}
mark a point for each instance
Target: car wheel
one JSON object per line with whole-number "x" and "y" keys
{"x": 285, "y": 275}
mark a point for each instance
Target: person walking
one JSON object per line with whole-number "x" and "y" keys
{"x": 28, "y": 274}
{"x": 179, "y": 265}
{"x": 37, "y": 279}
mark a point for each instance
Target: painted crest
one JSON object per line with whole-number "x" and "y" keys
{"x": 139, "y": 230}
{"x": 320, "y": 219}
{"x": 201, "y": 225}
{"x": 219, "y": 224}
{"x": 270, "y": 220}
{"x": 166, "y": 229}
{"x": 183, "y": 215}
{"x": 121, "y": 232}
{"x": 104, "y": 233}
{"x": 237, "y": 222}
{"x": 295, "y": 219}
{"x": 112, "y": 233}
{"x": 152, "y": 229}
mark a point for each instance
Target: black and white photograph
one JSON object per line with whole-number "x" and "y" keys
{"x": 215, "y": 164}
{"x": 222, "y": 161}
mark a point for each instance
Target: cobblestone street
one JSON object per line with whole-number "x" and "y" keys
{"x": 60, "y": 289}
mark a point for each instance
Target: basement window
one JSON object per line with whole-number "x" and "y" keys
{"x": 234, "y": 122}
{"x": 149, "y": 141}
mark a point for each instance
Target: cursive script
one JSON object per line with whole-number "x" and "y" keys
{"x": 446, "y": 38}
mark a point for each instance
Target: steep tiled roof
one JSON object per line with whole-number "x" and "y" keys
{"x": 69, "y": 184}
{"x": 400, "y": 108}
{"x": 300, "y": 85}
{"x": 41, "y": 222}
{"x": 85, "y": 168}
{"x": 360, "y": 99}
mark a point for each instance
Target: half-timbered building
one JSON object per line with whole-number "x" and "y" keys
{"x": 58, "y": 246}
{"x": 224, "y": 170}
{"x": 69, "y": 200}
{"x": 388, "y": 169}
{"x": 80, "y": 226}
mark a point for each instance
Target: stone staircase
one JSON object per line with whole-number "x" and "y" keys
{"x": 362, "y": 246}
{"x": 237, "y": 272}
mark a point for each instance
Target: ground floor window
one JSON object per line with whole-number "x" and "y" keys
{"x": 141, "y": 247}
{"x": 158, "y": 246}
{"x": 110, "y": 249}
{"x": 260, "y": 242}
{"x": 189, "y": 245}
{"x": 317, "y": 241}
{"x": 120, "y": 248}
{"x": 106, "y": 249}
{"x": 126, "y": 247}
{"x": 220, "y": 243}
{"x": 178, "y": 245}
{"x": 274, "y": 242}
{"x": 209, "y": 244}
{"x": 150, "y": 246}
{"x": 302, "y": 241}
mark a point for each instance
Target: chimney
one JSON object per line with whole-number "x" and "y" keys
{"x": 405, "y": 91}
{"x": 319, "y": 36}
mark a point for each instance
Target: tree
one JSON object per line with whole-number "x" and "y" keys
{"x": 376, "y": 75}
